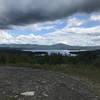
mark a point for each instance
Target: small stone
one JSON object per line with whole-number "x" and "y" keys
{"x": 44, "y": 94}
{"x": 16, "y": 96}
{"x": 43, "y": 81}
{"x": 4, "y": 92}
{"x": 30, "y": 93}
{"x": 72, "y": 88}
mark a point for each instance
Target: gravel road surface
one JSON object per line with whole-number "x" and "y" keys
{"x": 30, "y": 84}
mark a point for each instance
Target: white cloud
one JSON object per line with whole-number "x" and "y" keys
{"x": 38, "y": 26}
{"x": 70, "y": 38}
{"x": 33, "y": 27}
{"x": 5, "y": 37}
{"x": 82, "y": 30}
{"x": 31, "y": 38}
{"x": 95, "y": 17}
{"x": 74, "y": 22}
{"x": 72, "y": 34}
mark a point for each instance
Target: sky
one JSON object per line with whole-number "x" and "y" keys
{"x": 72, "y": 22}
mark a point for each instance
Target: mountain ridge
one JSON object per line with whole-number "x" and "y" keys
{"x": 59, "y": 46}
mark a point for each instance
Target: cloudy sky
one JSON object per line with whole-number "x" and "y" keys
{"x": 73, "y": 22}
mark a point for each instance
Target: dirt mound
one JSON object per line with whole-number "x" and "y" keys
{"x": 29, "y": 84}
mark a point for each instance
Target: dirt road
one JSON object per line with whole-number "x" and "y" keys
{"x": 29, "y": 84}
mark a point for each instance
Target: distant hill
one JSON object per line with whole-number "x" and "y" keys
{"x": 49, "y": 47}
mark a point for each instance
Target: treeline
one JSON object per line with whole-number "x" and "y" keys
{"x": 9, "y": 56}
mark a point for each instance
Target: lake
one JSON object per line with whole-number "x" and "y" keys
{"x": 63, "y": 52}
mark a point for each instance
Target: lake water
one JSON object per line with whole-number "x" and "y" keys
{"x": 63, "y": 52}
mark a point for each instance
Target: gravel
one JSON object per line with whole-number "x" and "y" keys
{"x": 30, "y": 84}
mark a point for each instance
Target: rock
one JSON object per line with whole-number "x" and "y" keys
{"x": 30, "y": 93}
